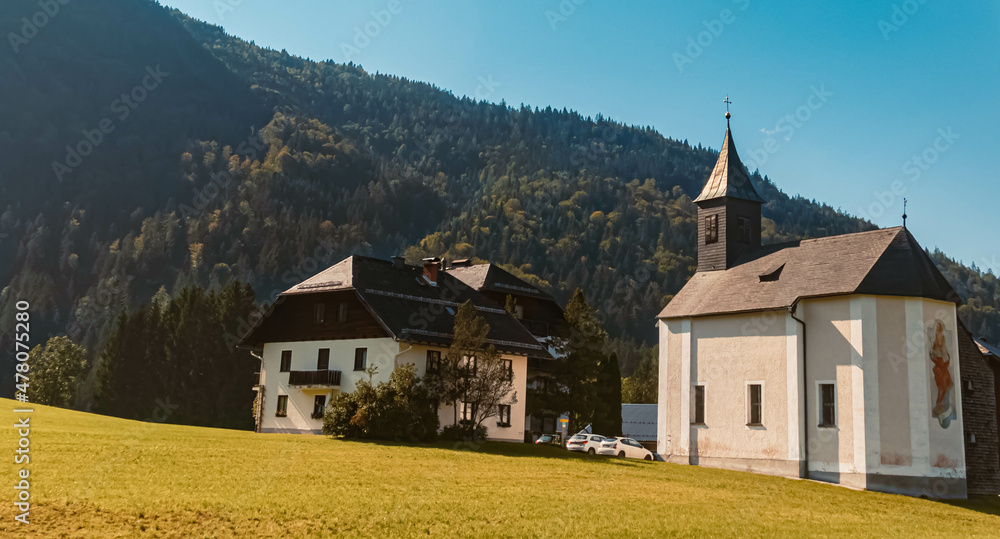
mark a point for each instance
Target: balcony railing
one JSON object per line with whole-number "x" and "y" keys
{"x": 314, "y": 378}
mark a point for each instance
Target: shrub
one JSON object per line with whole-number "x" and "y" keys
{"x": 461, "y": 433}
{"x": 56, "y": 372}
{"x": 401, "y": 409}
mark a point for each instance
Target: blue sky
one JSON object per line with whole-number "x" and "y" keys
{"x": 856, "y": 104}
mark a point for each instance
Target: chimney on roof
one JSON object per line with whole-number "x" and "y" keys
{"x": 398, "y": 262}
{"x": 431, "y": 266}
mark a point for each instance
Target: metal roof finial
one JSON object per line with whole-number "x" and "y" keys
{"x": 727, "y": 102}
{"x": 904, "y": 213}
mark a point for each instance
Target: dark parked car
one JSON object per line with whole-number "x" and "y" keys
{"x": 554, "y": 439}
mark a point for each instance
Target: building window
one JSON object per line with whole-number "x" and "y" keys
{"x": 319, "y": 406}
{"x": 503, "y": 419}
{"x": 468, "y": 365}
{"x": 827, "y": 404}
{"x": 743, "y": 231}
{"x": 699, "y": 405}
{"x": 711, "y": 229}
{"x": 323, "y": 360}
{"x": 319, "y": 312}
{"x": 755, "y": 405}
{"x": 282, "y": 410}
{"x": 508, "y": 366}
{"x": 360, "y": 359}
{"x": 286, "y": 361}
{"x": 433, "y": 361}
{"x": 342, "y": 312}
{"x": 468, "y": 412}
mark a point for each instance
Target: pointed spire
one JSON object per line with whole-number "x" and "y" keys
{"x": 729, "y": 178}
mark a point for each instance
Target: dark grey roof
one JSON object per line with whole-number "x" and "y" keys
{"x": 493, "y": 277}
{"x": 729, "y": 177}
{"x": 883, "y": 262}
{"x": 988, "y": 349}
{"x": 639, "y": 422}
{"x": 414, "y": 311}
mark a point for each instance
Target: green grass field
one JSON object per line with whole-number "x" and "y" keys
{"x": 96, "y": 476}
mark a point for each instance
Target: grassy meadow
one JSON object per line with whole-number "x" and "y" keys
{"x": 95, "y": 476}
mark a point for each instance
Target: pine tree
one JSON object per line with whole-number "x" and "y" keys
{"x": 608, "y": 407}
{"x": 580, "y": 346}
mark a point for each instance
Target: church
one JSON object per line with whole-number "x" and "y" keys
{"x": 838, "y": 359}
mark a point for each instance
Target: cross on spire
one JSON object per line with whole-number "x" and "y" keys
{"x": 904, "y": 213}
{"x": 727, "y": 102}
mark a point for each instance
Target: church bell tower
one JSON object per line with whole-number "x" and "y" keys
{"x": 728, "y": 211}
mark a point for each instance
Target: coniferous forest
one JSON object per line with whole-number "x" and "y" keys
{"x": 141, "y": 149}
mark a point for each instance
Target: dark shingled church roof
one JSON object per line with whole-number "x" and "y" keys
{"x": 988, "y": 349}
{"x": 729, "y": 178}
{"x": 398, "y": 297}
{"x": 879, "y": 262}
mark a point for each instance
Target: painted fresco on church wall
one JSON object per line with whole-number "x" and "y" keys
{"x": 943, "y": 408}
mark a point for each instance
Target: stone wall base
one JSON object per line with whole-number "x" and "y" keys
{"x": 930, "y": 487}
{"x": 909, "y": 485}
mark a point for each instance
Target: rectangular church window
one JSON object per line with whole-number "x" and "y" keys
{"x": 828, "y": 405}
{"x": 699, "y": 405}
{"x": 711, "y": 229}
{"x": 743, "y": 231}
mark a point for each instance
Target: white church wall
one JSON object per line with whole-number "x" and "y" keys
{"x": 828, "y": 358}
{"x": 894, "y": 387}
{"x": 667, "y": 376}
{"x": 920, "y": 441}
{"x": 887, "y": 358}
{"x": 944, "y": 403}
{"x": 728, "y": 354}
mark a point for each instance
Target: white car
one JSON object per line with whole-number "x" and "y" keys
{"x": 625, "y": 447}
{"x": 585, "y": 442}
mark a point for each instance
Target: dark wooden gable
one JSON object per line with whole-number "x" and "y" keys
{"x": 294, "y": 319}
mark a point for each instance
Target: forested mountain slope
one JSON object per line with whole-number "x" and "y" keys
{"x": 249, "y": 163}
